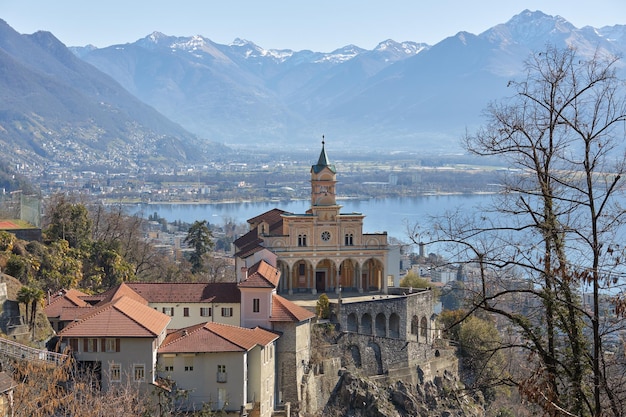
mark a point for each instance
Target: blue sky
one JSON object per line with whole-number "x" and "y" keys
{"x": 321, "y": 25}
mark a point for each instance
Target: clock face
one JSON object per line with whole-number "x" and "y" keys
{"x": 325, "y": 236}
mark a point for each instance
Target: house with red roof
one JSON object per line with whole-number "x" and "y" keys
{"x": 185, "y": 303}
{"x": 117, "y": 341}
{"x": 224, "y": 340}
{"x": 192, "y": 303}
{"x": 262, "y": 306}
{"x": 230, "y": 367}
{"x": 257, "y": 287}
{"x": 120, "y": 333}
{"x": 58, "y": 302}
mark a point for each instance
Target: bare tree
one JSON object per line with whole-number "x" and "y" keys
{"x": 557, "y": 222}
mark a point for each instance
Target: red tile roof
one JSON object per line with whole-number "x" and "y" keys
{"x": 122, "y": 317}
{"x": 261, "y": 275}
{"x": 215, "y": 337}
{"x": 251, "y": 242}
{"x": 173, "y": 292}
{"x": 271, "y": 217}
{"x": 178, "y": 292}
{"x": 248, "y": 244}
{"x": 284, "y": 310}
{"x": 122, "y": 290}
{"x": 74, "y": 313}
{"x": 63, "y": 299}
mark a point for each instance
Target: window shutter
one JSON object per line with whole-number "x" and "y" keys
{"x": 103, "y": 345}
{"x": 117, "y": 345}
{"x": 85, "y": 345}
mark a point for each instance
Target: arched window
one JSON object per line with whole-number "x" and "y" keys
{"x": 353, "y": 324}
{"x": 394, "y": 325}
{"x": 415, "y": 325}
{"x": 381, "y": 325}
{"x": 366, "y": 324}
{"x": 301, "y": 240}
{"x": 424, "y": 329}
{"x": 349, "y": 239}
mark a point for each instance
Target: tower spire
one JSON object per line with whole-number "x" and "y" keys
{"x": 323, "y": 159}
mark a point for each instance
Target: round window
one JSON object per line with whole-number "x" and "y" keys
{"x": 325, "y": 236}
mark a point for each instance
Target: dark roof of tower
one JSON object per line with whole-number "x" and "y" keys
{"x": 322, "y": 162}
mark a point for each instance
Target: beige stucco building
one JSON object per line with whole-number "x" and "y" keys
{"x": 117, "y": 340}
{"x": 321, "y": 250}
{"x": 229, "y": 367}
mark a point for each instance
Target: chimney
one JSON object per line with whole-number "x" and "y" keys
{"x": 244, "y": 273}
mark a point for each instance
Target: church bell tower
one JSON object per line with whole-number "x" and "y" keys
{"x": 323, "y": 182}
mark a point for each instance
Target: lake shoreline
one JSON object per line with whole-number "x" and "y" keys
{"x": 390, "y": 214}
{"x": 290, "y": 200}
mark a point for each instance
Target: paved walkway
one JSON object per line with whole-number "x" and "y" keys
{"x": 310, "y": 300}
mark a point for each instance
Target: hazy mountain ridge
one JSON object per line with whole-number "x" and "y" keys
{"x": 240, "y": 93}
{"x": 410, "y": 93}
{"x": 57, "y": 108}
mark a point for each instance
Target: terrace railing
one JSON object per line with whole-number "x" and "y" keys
{"x": 19, "y": 351}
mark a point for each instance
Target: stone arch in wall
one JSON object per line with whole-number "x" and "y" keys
{"x": 424, "y": 330}
{"x": 355, "y": 353}
{"x": 434, "y": 331}
{"x": 353, "y": 323}
{"x": 378, "y": 357}
{"x": 381, "y": 325}
{"x": 394, "y": 325}
{"x": 366, "y": 324}
{"x": 415, "y": 328}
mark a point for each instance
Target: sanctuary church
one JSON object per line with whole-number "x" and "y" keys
{"x": 322, "y": 250}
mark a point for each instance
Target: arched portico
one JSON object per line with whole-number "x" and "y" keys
{"x": 329, "y": 273}
{"x": 349, "y": 273}
{"x": 296, "y": 277}
{"x": 372, "y": 275}
{"x": 326, "y": 276}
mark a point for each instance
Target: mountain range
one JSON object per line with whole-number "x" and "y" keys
{"x": 400, "y": 95}
{"x": 57, "y": 109}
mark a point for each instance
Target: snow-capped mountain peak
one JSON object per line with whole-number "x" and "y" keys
{"x": 192, "y": 43}
{"x": 251, "y": 50}
{"x": 531, "y": 28}
{"x": 404, "y": 48}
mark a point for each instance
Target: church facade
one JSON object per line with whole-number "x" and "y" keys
{"x": 321, "y": 250}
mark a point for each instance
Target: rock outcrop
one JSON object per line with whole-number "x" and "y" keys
{"x": 362, "y": 397}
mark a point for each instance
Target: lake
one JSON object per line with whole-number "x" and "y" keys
{"x": 382, "y": 214}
